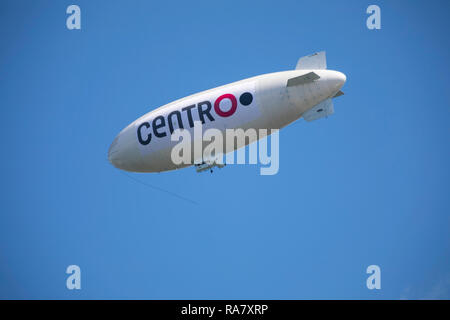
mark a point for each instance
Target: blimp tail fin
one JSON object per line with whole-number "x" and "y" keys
{"x": 316, "y": 61}
{"x": 323, "y": 109}
{"x": 338, "y": 94}
{"x": 306, "y": 78}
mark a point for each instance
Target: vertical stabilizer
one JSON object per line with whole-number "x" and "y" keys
{"x": 314, "y": 61}
{"x": 323, "y": 109}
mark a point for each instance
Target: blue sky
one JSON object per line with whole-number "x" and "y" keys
{"x": 369, "y": 185}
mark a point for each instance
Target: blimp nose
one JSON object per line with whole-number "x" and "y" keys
{"x": 114, "y": 152}
{"x": 122, "y": 152}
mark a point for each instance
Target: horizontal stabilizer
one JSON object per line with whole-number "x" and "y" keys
{"x": 338, "y": 94}
{"x": 317, "y": 61}
{"x": 323, "y": 109}
{"x": 306, "y": 78}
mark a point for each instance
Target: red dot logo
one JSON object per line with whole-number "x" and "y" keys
{"x": 233, "y": 105}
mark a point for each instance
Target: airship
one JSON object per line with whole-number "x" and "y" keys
{"x": 272, "y": 100}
